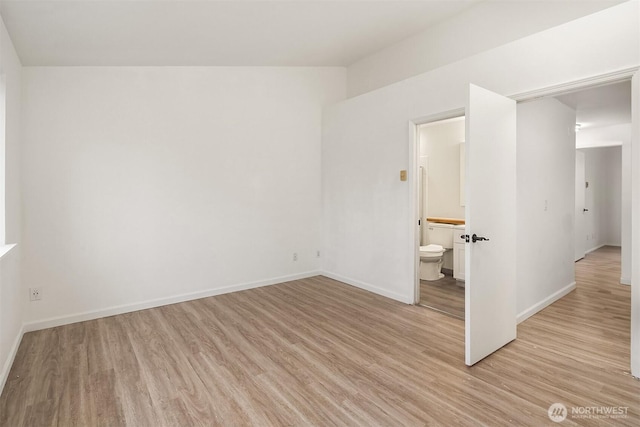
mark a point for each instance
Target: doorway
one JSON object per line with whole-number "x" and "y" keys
{"x": 611, "y": 132}
{"x": 490, "y": 220}
{"x": 603, "y": 134}
{"x": 545, "y": 205}
{"x": 441, "y": 202}
{"x": 580, "y": 208}
{"x": 601, "y": 188}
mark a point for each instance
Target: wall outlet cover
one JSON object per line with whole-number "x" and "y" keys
{"x": 35, "y": 294}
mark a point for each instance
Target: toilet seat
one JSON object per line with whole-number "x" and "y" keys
{"x": 431, "y": 251}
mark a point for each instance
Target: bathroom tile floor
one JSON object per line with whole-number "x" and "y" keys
{"x": 443, "y": 295}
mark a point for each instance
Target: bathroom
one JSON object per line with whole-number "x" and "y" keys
{"x": 442, "y": 215}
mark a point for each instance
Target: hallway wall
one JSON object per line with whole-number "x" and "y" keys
{"x": 545, "y": 269}
{"x": 603, "y": 170}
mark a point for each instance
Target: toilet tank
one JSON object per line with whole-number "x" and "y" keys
{"x": 440, "y": 234}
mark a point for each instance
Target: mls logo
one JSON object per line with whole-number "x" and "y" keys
{"x": 557, "y": 412}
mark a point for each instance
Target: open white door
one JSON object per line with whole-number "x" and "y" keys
{"x": 490, "y": 303}
{"x": 580, "y": 210}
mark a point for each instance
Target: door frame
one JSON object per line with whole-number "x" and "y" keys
{"x": 579, "y": 241}
{"x": 625, "y": 75}
{"x": 628, "y": 74}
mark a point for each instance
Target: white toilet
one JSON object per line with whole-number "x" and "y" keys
{"x": 440, "y": 238}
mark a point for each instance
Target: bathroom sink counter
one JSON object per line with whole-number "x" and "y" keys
{"x": 454, "y": 221}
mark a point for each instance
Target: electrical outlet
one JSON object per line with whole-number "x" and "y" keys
{"x": 295, "y": 256}
{"x": 35, "y": 294}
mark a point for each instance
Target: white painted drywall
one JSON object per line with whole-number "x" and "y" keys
{"x": 146, "y": 184}
{"x": 440, "y": 142}
{"x": 625, "y": 206}
{"x": 487, "y": 25}
{"x": 635, "y": 226}
{"x": 603, "y": 170}
{"x": 603, "y": 136}
{"x": 11, "y": 293}
{"x": 613, "y": 227}
{"x": 368, "y": 212}
{"x": 545, "y": 200}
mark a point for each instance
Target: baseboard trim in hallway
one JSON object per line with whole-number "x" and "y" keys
{"x": 524, "y": 315}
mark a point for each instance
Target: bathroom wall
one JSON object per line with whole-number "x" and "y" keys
{"x": 545, "y": 202}
{"x": 149, "y": 185}
{"x": 440, "y": 142}
{"x": 603, "y": 170}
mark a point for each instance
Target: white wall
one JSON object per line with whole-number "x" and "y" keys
{"x": 603, "y": 170}
{"x": 625, "y": 206}
{"x": 604, "y": 136}
{"x": 440, "y": 142}
{"x": 11, "y": 293}
{"x": 614, "y": 198}
{"x": 148, "y": 185}
{"x": 635, "y": 225}
{"x": 545, "y": 203}
{"x": 368, "y": 212}
{"x": 487, "y": 25}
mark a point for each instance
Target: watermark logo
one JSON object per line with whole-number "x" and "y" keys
{"x": 557, "y": 412}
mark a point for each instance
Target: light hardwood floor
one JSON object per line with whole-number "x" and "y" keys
{"x": 444, "y": 295}
{"x": 318, "y": 352}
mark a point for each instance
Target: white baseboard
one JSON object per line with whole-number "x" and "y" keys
{"x": 602, "y": 246}
{"x": 143, "y": 305}
{"x": 368, "y": 287}
{"x": 594, "y": 249}
{"x": 6, "y": 368}
{"x": 545, "y": 302}
{"x": 625, "y": 281}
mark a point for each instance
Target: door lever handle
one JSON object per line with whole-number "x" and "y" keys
{"x": 476, "y": 238}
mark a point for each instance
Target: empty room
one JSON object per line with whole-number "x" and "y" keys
{"x": 219, "y": 212}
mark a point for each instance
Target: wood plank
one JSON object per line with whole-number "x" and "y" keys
{"x": 319, "y": 352}
{"x": 454, "y": 221}
{"x": 443, "y": 295}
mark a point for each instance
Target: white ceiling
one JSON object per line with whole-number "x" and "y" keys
{"x": 601, "y": 106}
{"x": 213, "y": 32}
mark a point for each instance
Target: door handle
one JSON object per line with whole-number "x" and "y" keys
{"x": 476, "y": 238}
{"x": 465, "y": 237}
{"x": 585, "y": 210}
